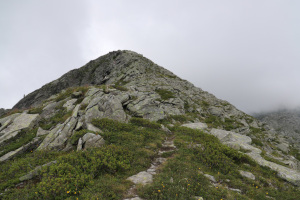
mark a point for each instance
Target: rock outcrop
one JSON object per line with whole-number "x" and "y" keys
{"x": 286, "y": 123}
{"x": 242, "y": 142}
{"x": 74, "y": 112}
{"x": 16, "y": 122}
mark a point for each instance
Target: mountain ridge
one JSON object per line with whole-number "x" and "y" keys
{"x": 124, "y": 117}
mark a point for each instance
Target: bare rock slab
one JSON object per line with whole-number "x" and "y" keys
{"x": 143, "y": 178}
{"x": 247, "y": 174}
{"x": 197, "y": 125}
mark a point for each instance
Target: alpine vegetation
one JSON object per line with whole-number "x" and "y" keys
{"x": 122, "y": 127}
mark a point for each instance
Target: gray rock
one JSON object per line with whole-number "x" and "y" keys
{"x": 197, "y": 125}
{"x": 93, "y": 128}
{"x": 283, "y": 147}
{"x": 79, "y": 145}
{"x": 92, "y": 113}
{"x": 165, "y": 129}
{"x": 147, "y": 107}
{"x": 57, "y": 138}
{"x": 76, "y": 111}
{"x": 36, "y": 171}
{"x": 90, "y": 140}
{"x": 111, "y": 107}
{"x": 41, "y": 132}
{"x": 211, "y": 178}
{"x": 247, "y": 174}
{"x": 80, "y": 124}
{"x": 217, "y": 111}
{"x": 70, "y": 104}
{"x": 134, "y": 198}
{"x": 20, "y": 122}
{"x": 5, "y": 122}
{"x": 49, "y": 110}
{"x": 143, "y": 178}
{"x": 76, "y": 94}
{"x": 235, "y": 190}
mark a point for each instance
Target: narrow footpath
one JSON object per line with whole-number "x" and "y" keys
{"x": 146, "y": 177}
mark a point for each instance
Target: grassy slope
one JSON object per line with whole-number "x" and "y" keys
{"x": 102, "y": 173}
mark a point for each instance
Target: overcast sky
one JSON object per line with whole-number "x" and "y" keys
{"x": 242, "y": 51}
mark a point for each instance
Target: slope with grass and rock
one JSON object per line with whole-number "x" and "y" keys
{"x": 122, "y": 127}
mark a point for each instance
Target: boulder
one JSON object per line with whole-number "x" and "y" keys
{"x": 283, "y": 147}
{"x": 92, "y": 113}
{"x": 211, "y": 178}
{"x": 143, "y": 178}
{"x": 217, "y": 111}
{"x": 147, "y": 107}
{"x": 70, "y": 104}
{"x": 197, "y": 125}
{"x": 57, "y": 138}
{"x": 91, "y": 140}
{"x": 41, "y": 132}
{"x": 93, "y": 128}
{"x": 20, "y": 122}
{"x": 247, "y": 174}
{"x": 76, "y": 94}
{"x": 105, "y": 106}
{"x": 49, "y": 110}
{"x": 79, "y": 145}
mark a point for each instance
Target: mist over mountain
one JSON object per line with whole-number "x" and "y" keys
{"x": 285, "y": 121}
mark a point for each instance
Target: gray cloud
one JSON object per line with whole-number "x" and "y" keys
{"x": 245, "y": 52}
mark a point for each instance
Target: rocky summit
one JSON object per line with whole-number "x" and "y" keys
{"x": 122, "y": 127}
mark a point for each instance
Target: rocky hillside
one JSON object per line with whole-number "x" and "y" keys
{"x": 286, "y": 122}
{"x": 122, "y": 127}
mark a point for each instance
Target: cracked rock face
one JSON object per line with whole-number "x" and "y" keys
{"x": 90, "y": 140}
{"x": 14, "y": 123}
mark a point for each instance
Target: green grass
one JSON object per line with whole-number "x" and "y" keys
{"x": 144, "y": 123}
{"x": 257, "y": 142}
{"x": 68, "y": 92}
{"x": 90, "y": 174}
{"x": 24, "y": 137}
{"x": 182, "y": 178}
{"x": 264, "y": 155}
{"x": 165, "y": 94}
{"x": 37, "y": 110}
{"x": 119, "y": 87}
{"x": 180, "y": 119}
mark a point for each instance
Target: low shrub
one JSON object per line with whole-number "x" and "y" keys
{"x": 119, "y": 87}
{"x": 24, "y": 137}
{"x": 144, "y": 123}
{"x": 111, "y": 125}
{"x": 165, "y": 94}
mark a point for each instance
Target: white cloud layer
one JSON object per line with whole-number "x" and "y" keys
{"x": 245, "y": 52}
